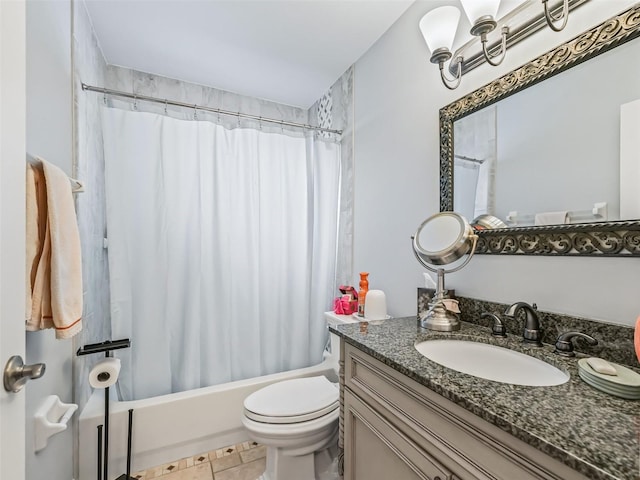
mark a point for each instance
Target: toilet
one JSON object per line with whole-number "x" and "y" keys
{"x": 297, "y": 420}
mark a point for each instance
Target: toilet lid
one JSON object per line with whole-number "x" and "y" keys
{"x": 293, "y": 401}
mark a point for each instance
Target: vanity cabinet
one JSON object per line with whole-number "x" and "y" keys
{"x": 397, "y": 429}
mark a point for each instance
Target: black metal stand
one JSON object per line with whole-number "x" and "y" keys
{"x": 104, "y": 347}
{"x": 106, "y": 432}
{"x": 129, "y": 434}
{"x": 127, "y": 476}
{"x": 99, "y": 476}
{"x": 103, "y": 430}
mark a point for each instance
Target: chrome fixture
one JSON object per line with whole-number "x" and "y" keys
{"x": 16, "y": 373}
{"x": 439, "y": 26}
{"x": 564, "y": 346}
{"x": 219, "y": 111}
{"x": 498, "y": 329}
{"x": 564, "y": 16}
{"x": 482, "y": 16}
{"x": 531, "y": 333}
{"x": 442, "y": 239}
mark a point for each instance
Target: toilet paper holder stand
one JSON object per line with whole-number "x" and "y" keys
{"x": 105, "y": 347}
{"x": 103, "y": 432}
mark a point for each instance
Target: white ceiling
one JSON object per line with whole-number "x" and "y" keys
{"x": 287, "y": 51}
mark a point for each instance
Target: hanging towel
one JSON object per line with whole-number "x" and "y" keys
{"x": 551, "y": 218}
{"x": 636, "y": 338}
{"x": 54, "y": 267}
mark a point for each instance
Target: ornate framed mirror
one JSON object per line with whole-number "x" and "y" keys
{"x": 597, "y": 225}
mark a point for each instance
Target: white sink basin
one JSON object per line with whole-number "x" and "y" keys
{"x": 492, "y": 362}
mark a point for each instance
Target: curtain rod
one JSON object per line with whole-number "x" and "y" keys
{"x": 164, "y": 101}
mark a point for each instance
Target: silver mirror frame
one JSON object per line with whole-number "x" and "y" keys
{"x": 620, "y": 238}
{"x": 458, "y": 249}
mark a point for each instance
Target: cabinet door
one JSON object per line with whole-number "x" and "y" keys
{"x": 376, "y": 450}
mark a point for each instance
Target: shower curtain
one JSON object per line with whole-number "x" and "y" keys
{"x": 222, "y": 249}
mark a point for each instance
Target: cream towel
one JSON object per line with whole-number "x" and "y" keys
{"x": 552, "y": 218}
{"x": 54, "y": 266}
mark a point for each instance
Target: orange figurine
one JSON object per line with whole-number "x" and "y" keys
{"x": 364, "y": 288}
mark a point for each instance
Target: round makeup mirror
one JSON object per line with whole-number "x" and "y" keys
{"x": 442, "y": 239}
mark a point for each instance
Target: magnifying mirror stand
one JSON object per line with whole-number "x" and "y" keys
{"x": 438, "y": 316}
{"x": 442, "y": 239}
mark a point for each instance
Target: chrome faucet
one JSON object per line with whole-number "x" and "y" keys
{"x": 531, "y": 333}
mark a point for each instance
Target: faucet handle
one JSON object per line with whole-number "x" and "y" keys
{"x": 564, "y": 346}
{"x": 498, "y": 329}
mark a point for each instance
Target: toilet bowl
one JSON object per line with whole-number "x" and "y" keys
{"x": 295, "y": 419}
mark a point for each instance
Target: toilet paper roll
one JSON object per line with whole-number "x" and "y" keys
{"x": 375, "y": 306}
{"x": 105, "y": 373}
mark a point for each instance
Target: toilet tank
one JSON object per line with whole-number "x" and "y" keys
{"x": 334, "y": 344}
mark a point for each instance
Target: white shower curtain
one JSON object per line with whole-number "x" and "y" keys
{"x": 222, "y": 249}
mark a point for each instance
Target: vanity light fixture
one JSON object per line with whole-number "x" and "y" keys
{"x": 482, "y": 16}
{"x": 438, "y": 28}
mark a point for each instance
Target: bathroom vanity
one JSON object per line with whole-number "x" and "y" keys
{"x": 406, "y": 417}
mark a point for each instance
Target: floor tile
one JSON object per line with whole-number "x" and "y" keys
{"x": 223, "y": 463}
{"x": 153, "y": 472}
{"x": 200, "y": 458}
{"x": 170, "y": 467}
{"x": 246, "y": 471}
{"x": 199, "y": 472}
{"x": 253, "y": 454}
{"x": 213, "y": 461}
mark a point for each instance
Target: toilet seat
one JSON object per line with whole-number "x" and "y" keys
{"x": 293, "y": 401}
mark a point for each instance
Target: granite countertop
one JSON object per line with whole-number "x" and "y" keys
{"x": 590, "y": 431}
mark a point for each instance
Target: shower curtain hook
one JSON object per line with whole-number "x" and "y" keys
{"x": 238, "y": 117}
{"x": 104, "y": 96}
{"x": 260, "y": 122}
{"x": 165, "y": 106}
{"x": 195, "y": 112}
{"x": 281, "y": 126}
{"x": 135, "y": 102}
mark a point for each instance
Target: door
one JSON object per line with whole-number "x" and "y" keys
{"x": 12, "y": 261}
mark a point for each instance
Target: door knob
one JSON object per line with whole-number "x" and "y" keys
{"x": 16, "y": 373}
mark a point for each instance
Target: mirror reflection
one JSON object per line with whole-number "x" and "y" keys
{"x": 556, "y": 152}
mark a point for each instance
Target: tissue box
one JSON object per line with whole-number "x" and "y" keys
{"x": 345, "y": 305}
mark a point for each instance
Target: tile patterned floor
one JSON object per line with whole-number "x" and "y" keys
{"x": 243, "y": 461}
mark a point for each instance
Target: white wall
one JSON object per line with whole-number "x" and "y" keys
{"x": 49, "y": 135}
{"x": 397, "y": 97}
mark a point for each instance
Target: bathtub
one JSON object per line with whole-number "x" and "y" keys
{"x": 178, "y": 425}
